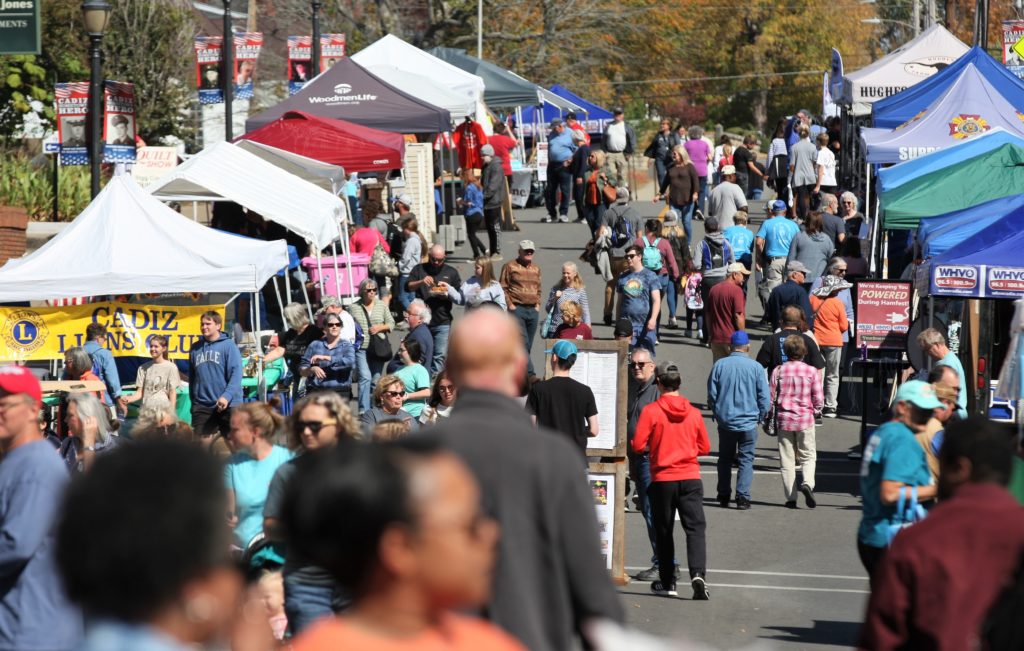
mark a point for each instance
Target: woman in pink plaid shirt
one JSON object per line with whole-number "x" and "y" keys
{"x": 796, "y": 396}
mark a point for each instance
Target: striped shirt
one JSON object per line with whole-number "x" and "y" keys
{"x": 379, "y": 314}
{"x": 797, "y": 393}
{"x": 521, "y": 284}
{"x": 569, "y": 295}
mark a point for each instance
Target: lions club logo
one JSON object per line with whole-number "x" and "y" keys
{"x": 24, "y": 332}
{"x": 965, "y": 126}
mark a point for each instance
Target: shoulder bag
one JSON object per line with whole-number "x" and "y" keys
{"x": 379, "y": 346}
{"x": 907, "y": 513}
{"x": 771, "y": 421}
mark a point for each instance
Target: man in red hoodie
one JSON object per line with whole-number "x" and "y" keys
{"x": 673, "y": 430}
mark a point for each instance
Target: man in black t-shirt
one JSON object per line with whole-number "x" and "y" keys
{"x": 429, "y": 281}
{"x": 772, "y": 354}
{"x": 560, "y": 402}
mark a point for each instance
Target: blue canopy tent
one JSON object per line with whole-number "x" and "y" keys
{"x": 595, "y": 119}
{"x": 890, "y": 178}
{"x": 894, "y": 110}
{"x": 987, "y": 265}
{"x": 936, "y": 235}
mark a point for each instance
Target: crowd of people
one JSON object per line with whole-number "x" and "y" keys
{"x": 429, "y": 490}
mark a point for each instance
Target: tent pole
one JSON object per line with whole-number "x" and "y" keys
{"x": 288, "y": 282}
{"x": 280, "y": 305}
{"x": 231, "y": 300}
{"x": 261, "y": 387}
{"x": 337, "y": 281}
{"x": 320, "y": 279}
{"x": 867, "y": 205}
{"x": 346, "y": 250}
{"x": 309, "y": 306}
{"x": 195, "y": 210}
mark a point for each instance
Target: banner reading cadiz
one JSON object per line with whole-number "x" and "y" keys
{"x": 34, "y": 333}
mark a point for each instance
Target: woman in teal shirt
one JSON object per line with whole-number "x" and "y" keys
{"x": 414, "y": 377}
{"x": 250, "y": 468}
{"x": 894, "y": 460}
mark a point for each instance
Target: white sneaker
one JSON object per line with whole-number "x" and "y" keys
{"x": 546, "y": 219}
{"x": 563, "y": 219}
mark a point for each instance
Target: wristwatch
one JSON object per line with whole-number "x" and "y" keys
{"x": 89, "y": 448}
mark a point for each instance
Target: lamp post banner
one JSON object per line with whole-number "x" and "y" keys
{"x": 72, "y": 108}
{"x": 118, "y": 122}
{"x": 247, "y": 50}
{"x": 300, "y": 57}
{"x": 208, "y": 68}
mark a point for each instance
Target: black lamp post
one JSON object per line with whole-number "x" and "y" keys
{"x": 95, "y": 15}
{"x": 228, "y": 51}
{"x": 315, "y": 58}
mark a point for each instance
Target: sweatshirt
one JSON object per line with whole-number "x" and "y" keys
{"x": 216, "y": 372}
{"x": 674, "y": 431}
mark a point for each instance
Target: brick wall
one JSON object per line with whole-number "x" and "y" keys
{"x": 13, "y": 222}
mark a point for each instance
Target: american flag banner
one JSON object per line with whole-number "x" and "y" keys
{"x": 72, "y": 100}
{"x": 300, "y": 57}
{"x": 118, "y": 122}
{"x": 247, "y": 50}
{"x": 208, "y": 69}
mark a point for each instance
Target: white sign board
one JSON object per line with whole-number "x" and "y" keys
{"x": 152, "y": 163}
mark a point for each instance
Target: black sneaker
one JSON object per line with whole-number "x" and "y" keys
{"x": 700, "y": 589}
{"x": 818, "y": 420}
{"x": 808, "y": 496}
{"x": 828, "y": 412}
{"x": 723, "y": 501}
{"x": 650, "y": 574}
{"x": 698, "y": 215}
{"x": 791, "y": 505}
{"x": 664, "y": 590}
{"x": 742, "y": 503}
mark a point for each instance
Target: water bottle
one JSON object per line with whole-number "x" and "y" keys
{"x": 863, "y": 350}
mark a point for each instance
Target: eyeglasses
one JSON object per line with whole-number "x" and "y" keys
{"x": 638, "y": 364}
{"x": 370, "y": 289}
{"x": 842, "y": 271}
{"x": 437, "y": 261}
{"x": 630, "y": 256}
{"x": 394, "y": 394}
{"x": 447, "y": 388}
{"x": 314, "y": 425}
{"x": 333, "y": 325}
{"x": 848, "y": 203}
{"x": 528, "y": 252}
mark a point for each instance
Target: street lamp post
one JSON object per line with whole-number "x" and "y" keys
{"x": 228, "y": 50}
{"x": 95, "y": 14}
{"x": 315, "y": 51}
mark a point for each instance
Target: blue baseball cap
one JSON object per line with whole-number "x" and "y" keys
{"x": 918, "y": 393}
{"x": 739, "y": 338}
{"x": 779, "y": 206}
{"x": 563, "y": 349}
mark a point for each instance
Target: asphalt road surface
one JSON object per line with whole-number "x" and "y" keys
{"x": 778, "y": 578}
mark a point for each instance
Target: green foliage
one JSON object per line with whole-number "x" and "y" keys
{"x": 22, "y": 79}
{"x": 28, "y": 183}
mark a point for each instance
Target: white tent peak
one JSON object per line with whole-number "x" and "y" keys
{"x": 127, "y": 242}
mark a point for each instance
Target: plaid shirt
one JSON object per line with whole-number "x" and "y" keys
{"x": 796, "y": 390}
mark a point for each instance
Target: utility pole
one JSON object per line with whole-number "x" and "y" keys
{"x": 315, "y": 56}
{"x": 931, "y": 13}
{"x": 917, "y": 16}
{"x": 228, "y": 57}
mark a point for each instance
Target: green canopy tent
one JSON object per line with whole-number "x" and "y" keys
{"x": 992, "y": 175}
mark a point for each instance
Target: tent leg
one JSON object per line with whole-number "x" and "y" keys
{"x": 288, "y": 284}
{"x": 280, "y": 305}
{"x": 309, "y": 306}
{"x": 346, "y": 250}
{"x": 337, "y": 281}
{"x": 320, "y": 270}
{"x": 261, "y": 390}
{"x": 874, "y": 230}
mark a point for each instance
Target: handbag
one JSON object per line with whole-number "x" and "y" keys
{"x": 379, "y": 347}
{"x": 610, "y": 193}
{"x": 907, "y": 513}
{"x": 545, "y": 328}
{"x": 382, "y": 264}
{"x": 771, "y": 421}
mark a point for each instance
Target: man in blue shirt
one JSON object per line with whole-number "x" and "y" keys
{"x": 739, "y": 399}
{"x": 96, "y": 337}
{"x": 215, "y": 385}
{"x": 933, "y": 344}
{"x": 742, "y": 242}
{"x": 772, "y": 241}
{"x": 791, "y": 292}
{"x": 639, "y": 299}
{"x": 35, "y": 614}
{"x": 893, "y": 462}
{"x": 560, "y": 150}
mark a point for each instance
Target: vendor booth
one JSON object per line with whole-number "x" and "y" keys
{"x": 936, "y": 235}
{"x": 353, "y": 147}
{"x": 593, "y": 117}
{"x": 323, "y": 175}
{"x": 501, "y": 88}
{"x": 347, "y": 91}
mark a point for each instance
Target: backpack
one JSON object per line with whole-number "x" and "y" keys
{"x": 778, "y": 168}
{"x": 622, "y": 232}
{"x": 651, "y": 255}
{"x": 717, "y": 258}
{"x": 394, "y": 239}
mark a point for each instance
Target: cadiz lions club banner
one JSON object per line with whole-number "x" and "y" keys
{"x": 300, "y": 57}
{"x": 72, "y": 100}
{"x": 118, "y": 122}
{"x": 30, "y": 333}
{"x": 209, "y": 66}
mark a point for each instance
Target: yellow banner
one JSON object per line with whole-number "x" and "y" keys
{"x": 32, "y": 333}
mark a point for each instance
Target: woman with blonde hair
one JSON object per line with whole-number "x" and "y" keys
{"x": 595, "y": 178}
{"x": 482, "y": 287}
{"x": 157, "y": 380}
{"x": 254, "y": 460}
{"x": 568, "y": 289}
{"x": 387, "y": 403}
{"x": 319, "y": 421}
{"x": 683, "y": 186}
{"x": 572, "y": 326}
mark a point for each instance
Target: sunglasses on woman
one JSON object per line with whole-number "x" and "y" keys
{"x": 314, "y": 425}
{"x": 395, "y": 394}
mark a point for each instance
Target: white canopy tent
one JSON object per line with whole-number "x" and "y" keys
{"x": 913, "y": 62}
{"x": 426, "y": 89}
{"x": 127, "y": 242}
{"x": 394, "y": 53}
{"x": 323, "y": 175}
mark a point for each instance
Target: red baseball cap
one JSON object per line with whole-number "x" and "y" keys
{"x": 18, "y": 379}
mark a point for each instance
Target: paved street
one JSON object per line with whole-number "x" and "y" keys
{"x": 781, "y": 578}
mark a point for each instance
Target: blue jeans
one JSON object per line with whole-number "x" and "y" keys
{"x": 404, "y": 295}
{"x": 369, "y": 372}
{"x": 686, "y": 215}
{"x": 527, "y": 318}
{"x": 736, "y": 444}
{"x": 440, "y": 334}
{"x": 353, "y": 208}
{"x": 668, "y": 290}
{"x": 643, "y": 337}
{"x": 305, "y": 604}
{"x": 660, "y": 168}
{"x": 755, "y": 194}
{"x": 702, "y": 196}
{"x": 594, "y": 215}
{"x": 559, "y": 179}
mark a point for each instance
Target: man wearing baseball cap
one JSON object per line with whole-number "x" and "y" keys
{"x": 894, "y": 463}
{"x": 725, "y": 311}
{"x": 739, "y": 398}
{"x": 727, "y": 198}
{"x": 560, "y": 150}
{"x": 34, "y": 611}
{"x": 560, "y": 402}
{"x": 673, "y": 430}
{"x": 521, "y": 280}
{"x": 791, "y": 292}
{"x": 772, "y": 248}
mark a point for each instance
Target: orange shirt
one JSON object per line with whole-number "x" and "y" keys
{"x": 830, "y": 321}
{"x": 455, "y": 633}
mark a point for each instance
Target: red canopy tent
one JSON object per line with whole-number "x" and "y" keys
{"x": 354, "y": 147}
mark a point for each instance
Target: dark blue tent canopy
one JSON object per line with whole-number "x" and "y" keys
{"x": 897, "y": 109}
{"x": 986, "y": 265}
{"x": 939, "y": 234}
{"x": 595, "y": 119}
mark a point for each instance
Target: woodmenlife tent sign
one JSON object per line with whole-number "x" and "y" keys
{"x": 19, "y": 26}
